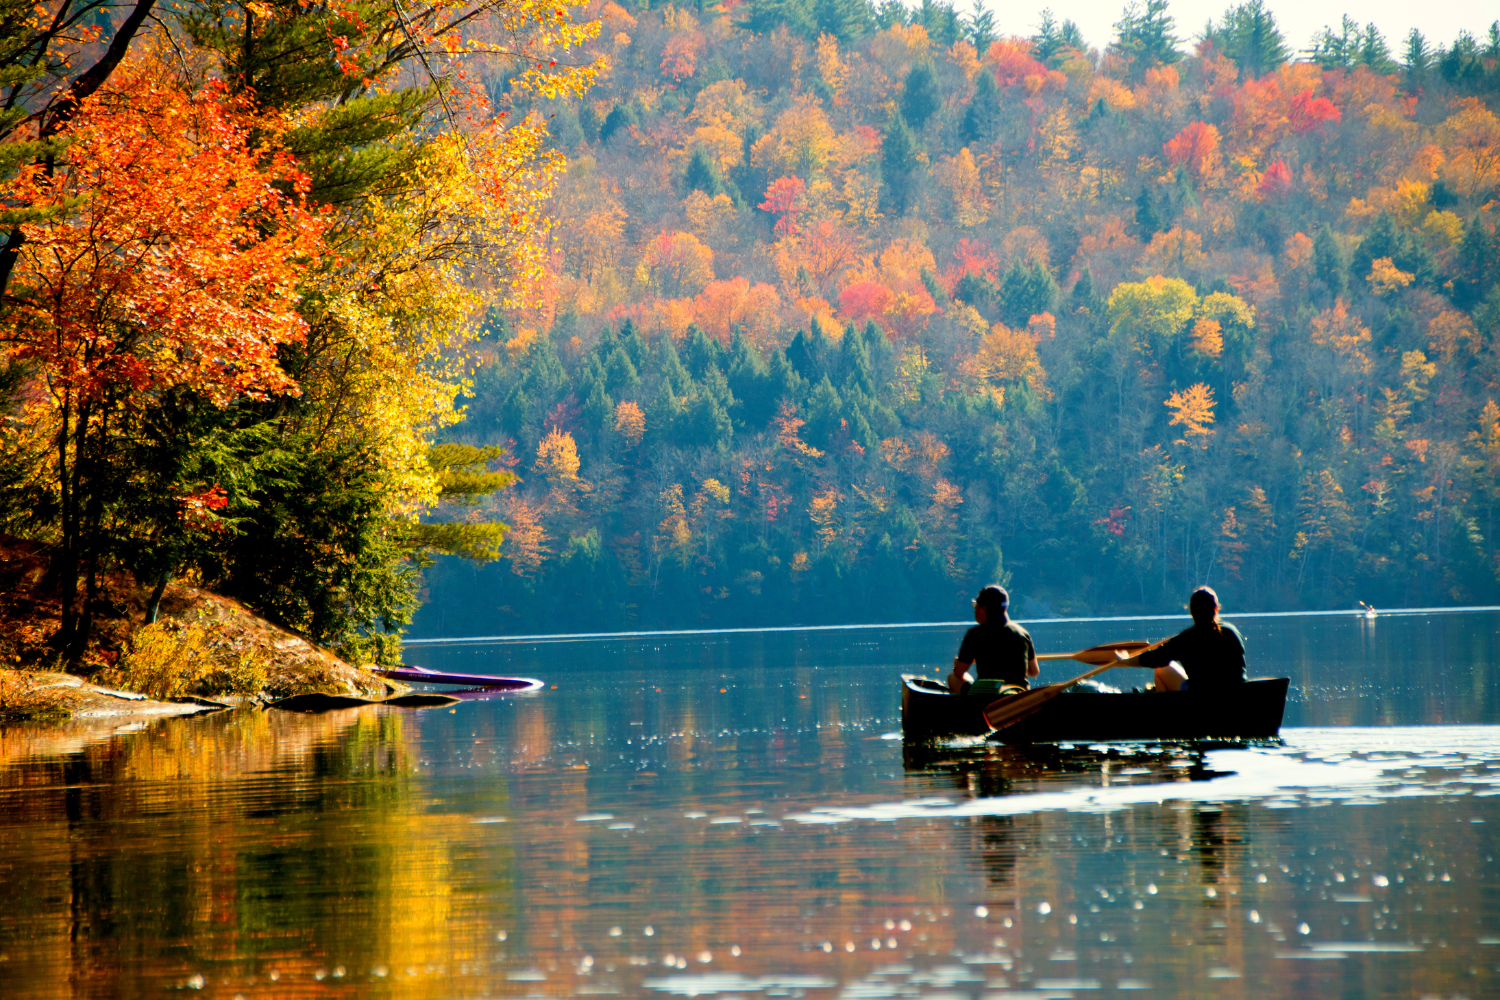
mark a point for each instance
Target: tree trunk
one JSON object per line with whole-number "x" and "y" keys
{"x": 67, "y": 554}
{"x": 153, "y": 606}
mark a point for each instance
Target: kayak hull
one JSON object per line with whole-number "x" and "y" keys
{"x": 417, "y": 675}
{"x": 1250, "y": 711}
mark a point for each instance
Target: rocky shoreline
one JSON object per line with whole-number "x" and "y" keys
{"x": 225, "y": 633}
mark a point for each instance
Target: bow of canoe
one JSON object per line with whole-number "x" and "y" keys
{"x": 419, "y": 675}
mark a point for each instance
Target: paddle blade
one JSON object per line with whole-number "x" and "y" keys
{"x": 1009, "y": 711}
{"x": 1099, "y": 655}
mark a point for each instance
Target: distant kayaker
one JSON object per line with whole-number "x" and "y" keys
{"x": 997, "y": 647}
{"x": 1209, "y": 655}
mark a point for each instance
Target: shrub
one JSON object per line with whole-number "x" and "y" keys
{"x": 170, "y": 659}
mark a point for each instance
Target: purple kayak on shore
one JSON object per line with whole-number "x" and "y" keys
{"x": 418, "y": 675}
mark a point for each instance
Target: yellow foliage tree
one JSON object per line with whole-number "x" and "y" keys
{"x": 557, "y": 456}
{"x": 675, "y": 264}
{"x": 630, "y": 422}
{"x": 1385, "y": 277}
{"x": 1152, "y": 313}
{"x": 1006, "y": 355}
{"x": 1208, "y": 338}
{"x": 1193, "y": 408}
{"x": 959, "y": 178}
{"x": 1471, "y": 138}
{"x": 1345, "y": 334}
{"x": 1450, "y": 333}
{"x": 800, "y": 143}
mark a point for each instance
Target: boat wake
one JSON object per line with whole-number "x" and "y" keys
{"x": 1312, "y": 766}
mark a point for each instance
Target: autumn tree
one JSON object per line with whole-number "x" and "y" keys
{"x": 166, "y": 262}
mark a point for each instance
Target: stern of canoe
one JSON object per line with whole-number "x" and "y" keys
{"x": 1252, "y": 710}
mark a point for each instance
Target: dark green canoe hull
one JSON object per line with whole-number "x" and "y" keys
{"x": 1250, "y": 711}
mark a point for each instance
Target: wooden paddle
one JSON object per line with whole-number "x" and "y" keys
{"x": 1096, "y": 655}
{"x": 1012, "y": 709}
{"x": 1100, "y": 655}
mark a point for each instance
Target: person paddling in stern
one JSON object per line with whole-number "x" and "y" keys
{"x": 998, "y": 648}
{"x": 1209, "y": 655}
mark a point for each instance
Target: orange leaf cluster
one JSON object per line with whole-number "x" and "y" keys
{"x": 174, "y": 252}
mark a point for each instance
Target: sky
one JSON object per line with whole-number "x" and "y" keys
{"x": 1299, "y": 20}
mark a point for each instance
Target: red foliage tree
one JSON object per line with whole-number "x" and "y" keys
{"x": 1012, "y": 62}
{"x": 1308, "y": 113}
{"x": 1196, "y": 148}
{"x": 784, "y": 198}
{"x": 1276, "y": 181}
{"x": 865, "y": 300}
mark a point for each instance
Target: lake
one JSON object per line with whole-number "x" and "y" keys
{"x": 735, "y": 815}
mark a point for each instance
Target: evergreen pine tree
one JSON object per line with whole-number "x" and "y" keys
{"x": 919, "y": 96}
{"x": 598, "y": 409}
{"x": 1148, "y": 220}
{"x": 669, "y": 366}
{"x": 754, "y": 394}
{"x": 1337, "y": 50}
{"x": 702, "y": 174}
{"x": 620, "y": 376}
{"x": 981, "y": 28}
{"x": 617, "y": 122}
{"x": 1047, "y": 42}
{"x": 703, "y": 354}
{"x": 1374, "y": 53}
{"x": 846, "y": 20}
{"x": 765, "y": 16}
{"x": 1083, "y": 293}
{"x": 983, "y": 111}
{"x": 825, "y": 411}
{"x": 634, "y": 345}
{"x": 898, "y": 165}
{"x": 1025, "y": 292}
{"x": 854, "y": 363}
{"x": 1416, "y": 59}
{"x": 1477, "y": 264}
{"x": 1144, "y": 37}
{"x": 1249, "y": 36}
{"x": 1328, "y": 262}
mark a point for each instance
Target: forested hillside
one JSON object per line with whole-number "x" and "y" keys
{"x": 851, "y": 310}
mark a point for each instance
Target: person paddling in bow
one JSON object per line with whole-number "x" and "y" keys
{"x": 998, "y": 648}
{"x": 1208, "y": 656}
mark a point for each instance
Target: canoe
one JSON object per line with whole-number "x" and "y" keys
{"x": 420, "y": 675}
{"x": 1251, "y": 711}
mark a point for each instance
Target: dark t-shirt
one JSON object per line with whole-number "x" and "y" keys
{"x": 998, "y": 652}
{"x": 1211, "y": 657}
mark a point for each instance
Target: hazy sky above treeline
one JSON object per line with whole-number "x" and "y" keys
{"x": 1299, "y": 19}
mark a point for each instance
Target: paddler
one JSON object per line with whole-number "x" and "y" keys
{"x": 1207, "y": 656}
{"x": 997, "y": 647}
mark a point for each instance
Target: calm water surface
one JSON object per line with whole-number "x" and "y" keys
{"x": 736, "y": 816}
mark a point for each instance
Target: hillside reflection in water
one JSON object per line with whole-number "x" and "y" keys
{"x": 731, "y": 816}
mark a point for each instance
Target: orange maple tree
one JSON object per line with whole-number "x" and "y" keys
{"x": 1195, "y": 148}
{"x": 168, "y": 260}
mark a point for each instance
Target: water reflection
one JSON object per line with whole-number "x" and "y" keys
{"x": 734, "y": 822}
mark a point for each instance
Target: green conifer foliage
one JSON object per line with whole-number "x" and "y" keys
{"x": 1249, "y": 35}
{"x": 919, "y": 96}
{"x": 1144, "y": 37}
{"x": 898, "y": 166}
